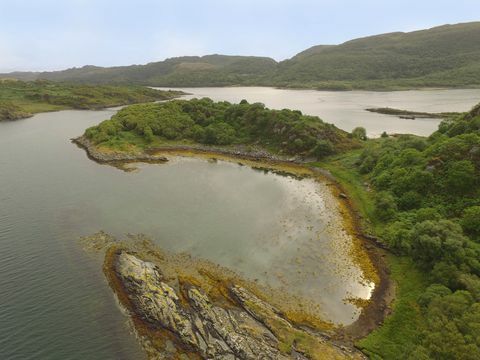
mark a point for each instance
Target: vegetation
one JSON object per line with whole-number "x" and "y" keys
{"x": 22, "y": 99}
{"x": 210, "y": 70}
{"x": 412, "y": 114}
{"x": 220, "y": 123}
{"x": 10, "y": 111}
{"x": 425, "y": 205}
{"x": 445, "y": 56}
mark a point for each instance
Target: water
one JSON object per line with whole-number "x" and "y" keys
{"x": 346, "y": 109}
{"x": 54, "y": 301}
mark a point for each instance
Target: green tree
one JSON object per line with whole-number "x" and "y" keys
{"x": 323, "y": 148}
{"x": 460, "y": 176}
{"x": 471, "y": 221}
{"x": 359, "y": 133}
{"x": 385, "y": 205}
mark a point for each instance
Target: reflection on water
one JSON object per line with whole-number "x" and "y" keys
{"x": 54, "y": 301}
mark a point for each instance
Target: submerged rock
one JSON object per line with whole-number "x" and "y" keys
{"x": 240, "y": 326}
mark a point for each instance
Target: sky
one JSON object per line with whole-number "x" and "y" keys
{"x": 56, "y": 34}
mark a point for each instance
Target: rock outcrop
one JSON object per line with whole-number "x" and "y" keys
{"x": 241, "y": 326}
{"x": 114, "y": 157}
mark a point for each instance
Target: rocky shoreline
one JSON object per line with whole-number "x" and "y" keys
{"x": 378, "y": 307}
{"x": 114, "y": 157}
{"x": 157, "y": 154}
{"x": 178, "y": 317}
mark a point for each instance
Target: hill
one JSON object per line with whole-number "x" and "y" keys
{"x": 444, "y": 56}
{"x": 210, "y": 70}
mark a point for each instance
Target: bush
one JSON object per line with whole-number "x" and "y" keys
{"x": 385, "y": 206}
{"x": 359, "y": 133}
{"x": 323, "y": 148}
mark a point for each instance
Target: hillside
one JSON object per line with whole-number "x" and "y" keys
{"x": 421, "y": 197}
{"x": 442, "y": 56}
{"x": 445, "y": 56}
{"x": 22, "y": 99}
{"x": 210, "y": 70}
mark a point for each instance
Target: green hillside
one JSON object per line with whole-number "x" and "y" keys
{"x": 210, "y": 70}
{"x": 19, "y": 99}
{"x": 445, "y": 56}
{"x": 421, "y": 197}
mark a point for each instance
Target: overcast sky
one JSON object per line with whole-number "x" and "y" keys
{"x": 57, "y": 34}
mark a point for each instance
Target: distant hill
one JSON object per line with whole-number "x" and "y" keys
{"x": 210, "y": 70}
{"x": 444, "y": 56}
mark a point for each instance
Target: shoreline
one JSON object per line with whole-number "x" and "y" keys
{"x": 378, "y": 307}
{"x": 307, "y": 88}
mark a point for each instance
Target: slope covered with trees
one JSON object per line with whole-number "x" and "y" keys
{"x": 21, "y": 99}
{"x": 442, "y": 56}
{"x": 210, "y": 70}
{"x": 203, "y": 121}
{"x": 445, "y": 56}
{"x": 427, "y": 207}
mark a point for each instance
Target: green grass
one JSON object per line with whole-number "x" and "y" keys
{"x": 20, "y": 99}
{"x": 343, "y": 168}
{"x": 400, "y": 330}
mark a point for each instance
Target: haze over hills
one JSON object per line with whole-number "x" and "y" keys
{"x": 444, "y": 56}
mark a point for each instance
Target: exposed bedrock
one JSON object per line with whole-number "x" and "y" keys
{"x": 241, "y": 327}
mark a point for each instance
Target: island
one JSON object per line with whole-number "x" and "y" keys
{"x": 412, "y": 115}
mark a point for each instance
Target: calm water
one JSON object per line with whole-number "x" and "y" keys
{"x": 54, "y": 302}
{"x": 347, "y": 109}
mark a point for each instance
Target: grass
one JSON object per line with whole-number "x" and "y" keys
{"x": 401, "y": 329}
{"x": 343, "y": 169}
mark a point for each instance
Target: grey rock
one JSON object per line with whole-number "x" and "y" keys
{"x": 212, "y": 331}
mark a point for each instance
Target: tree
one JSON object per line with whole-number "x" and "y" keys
{"x": 471, "y": 221}
{"x": 460, "y": 176}
{"x": 219, "y": 134}
{"x": 323, "y": 148}
{"x": 359, "y": 133}
{"x": 432, "y": 292}
{"x": 434, "y": 241}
